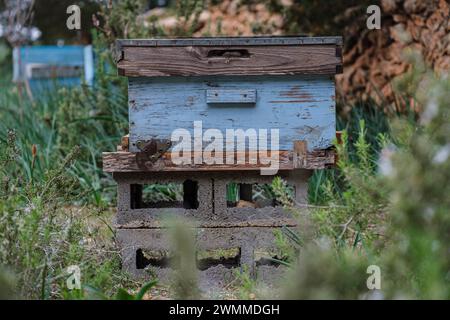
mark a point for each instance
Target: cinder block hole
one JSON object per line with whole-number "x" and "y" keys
{"x": 267, "y": 258}
{"x": 269, "y": 261}
{"x": 229, "y": 258}
{"x": 165, "y": 195}
{"x": 154, "y": 258}
{"x": 243, "y": 195}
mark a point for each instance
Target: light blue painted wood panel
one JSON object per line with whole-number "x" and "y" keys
{"x": 301, "y": 107}
{"x": 75, "y": 56}
{"x": 221, "y": 96}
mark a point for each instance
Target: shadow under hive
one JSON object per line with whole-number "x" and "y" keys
{"x": 284, "y": 83}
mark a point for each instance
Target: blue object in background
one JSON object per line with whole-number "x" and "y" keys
{"x": 44, "y": 68}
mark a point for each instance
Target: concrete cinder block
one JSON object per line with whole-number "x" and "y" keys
{"x": 212, "y": 208}
{"x": 129, "y": 217}
{"x": 246, "y": 239}
{"x": 297, "y": 178}
{"x": 217, "y": 226}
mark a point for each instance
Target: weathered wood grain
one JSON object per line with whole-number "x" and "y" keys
{"x": 230, "y": 41}
{"x": 317, "y": 159}
{"x": 219, "y": 96}
{"x": 125, "y": 142}
{"x": 235, "y": 60}
{"x": 129, "y": 162}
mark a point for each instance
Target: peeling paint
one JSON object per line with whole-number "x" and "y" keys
{"x": 176, "y": 102}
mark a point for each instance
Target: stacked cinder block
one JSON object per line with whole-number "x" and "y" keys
{"x": 284, "y": 83}
{"x": 219, "y": 225}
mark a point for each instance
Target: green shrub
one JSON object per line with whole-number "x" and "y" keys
{"x": 418, "y": 258}
{"x": 391, "y": 209}
{"x": 41, "y": 233}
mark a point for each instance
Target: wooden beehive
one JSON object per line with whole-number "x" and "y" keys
{"x": 43, "y": 68}
{"x": 285, "y": 83}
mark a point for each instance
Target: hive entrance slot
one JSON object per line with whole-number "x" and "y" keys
{"x": 228, "y": 53}
{"x": 245, "y": 195}
{"x": 229, "y": 258}
{"x": 165, "y": 195}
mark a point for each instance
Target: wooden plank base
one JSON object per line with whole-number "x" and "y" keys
{"x": 288, "y": 160}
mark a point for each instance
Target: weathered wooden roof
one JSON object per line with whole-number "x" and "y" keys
{"x": 228, "y": 41}
{"x": 229, "y": 56}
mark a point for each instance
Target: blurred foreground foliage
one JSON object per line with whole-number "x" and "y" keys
{"x": 387, "y": 207}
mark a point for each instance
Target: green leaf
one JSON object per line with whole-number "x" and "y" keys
{"x": 282, "y": 262}
{"x": 357, "y": 240}
{"x": 292, "y": 236}
{"x": 123, "y": 294}
{"x": 145, "y": 288}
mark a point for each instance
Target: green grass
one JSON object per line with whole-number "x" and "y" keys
{"x": 376, "y": 122}
{"x": 54, "y": 197}
{"x": 93, "y": 118}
